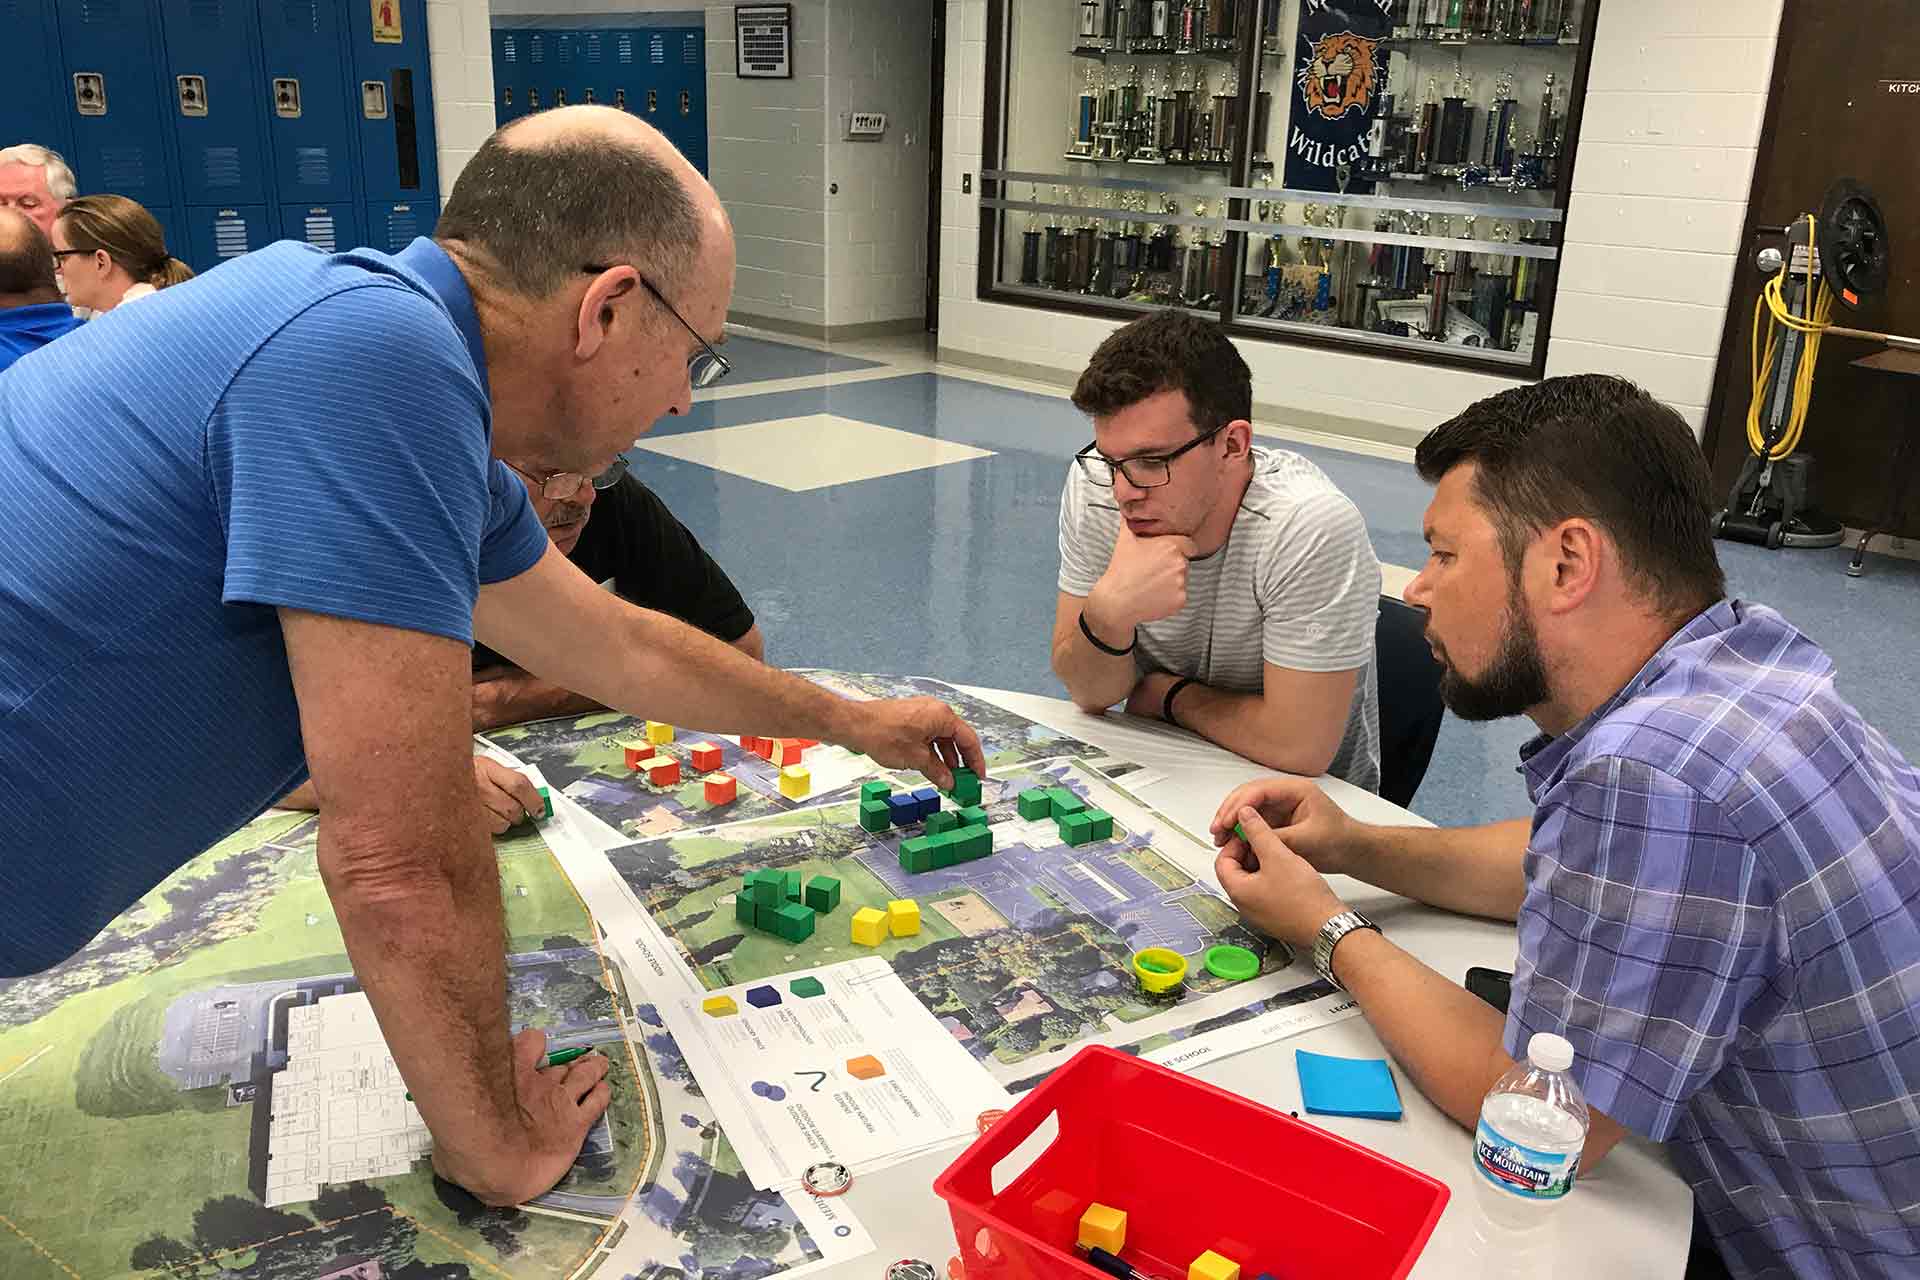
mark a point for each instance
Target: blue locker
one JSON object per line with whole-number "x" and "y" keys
{"x": 121, "y": 117}
{"x": 687, "y": 53}
{"x": 395, "y": 116}
{"x": 509, "y": 85}
{"x": 33, "y": 100}
{"x": 218, "y": 232}
{"x": 310, "y": 110}
{"x": 217, "y": 101}
{"x": 333, "y": 227}
{"x": 393, "y": 224}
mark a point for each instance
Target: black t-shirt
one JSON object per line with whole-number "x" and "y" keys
{"x": 653, "y": 561}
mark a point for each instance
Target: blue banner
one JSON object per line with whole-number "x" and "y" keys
{"x": 1339, "y": 88}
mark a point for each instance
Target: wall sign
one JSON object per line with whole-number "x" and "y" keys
{"x": 386, "y": 21}
{"x": 1339, "y": 86}
{"x": 763, "y": 41}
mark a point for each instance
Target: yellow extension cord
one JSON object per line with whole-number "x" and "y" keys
{"x": 1814, "y": 325}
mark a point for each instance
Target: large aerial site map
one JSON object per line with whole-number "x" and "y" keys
{"x": 201, "y": 1092}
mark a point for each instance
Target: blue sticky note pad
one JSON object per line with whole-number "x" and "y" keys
{"x": 1361, "y": 1087}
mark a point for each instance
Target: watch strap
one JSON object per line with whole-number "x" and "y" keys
{"x": 1329, "y": 937}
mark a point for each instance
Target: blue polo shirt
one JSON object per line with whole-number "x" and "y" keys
{"x": 293, "y": 430}
{"x": 24, "y": 329}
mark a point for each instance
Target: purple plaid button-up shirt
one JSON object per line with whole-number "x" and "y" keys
{"x": 1723, "y": 916}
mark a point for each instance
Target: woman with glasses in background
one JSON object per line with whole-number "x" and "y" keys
{"x": 111, "y": 250}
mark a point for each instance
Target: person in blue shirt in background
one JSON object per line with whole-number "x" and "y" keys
{"x": 254, "y": 526}
{"x": 32, "y": 312}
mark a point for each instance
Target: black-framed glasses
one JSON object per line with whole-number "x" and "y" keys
{"x": 705, "y": 366}
{"x": 558, "y": 486}
{"x": 1148, "y": 471}
{"x": 68, "y": 253}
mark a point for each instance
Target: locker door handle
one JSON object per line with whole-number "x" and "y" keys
{"x": 192, "y": 92}
{"x": 686, "y": 103}
{"x": 90, "y": 93}
{"x": 286, "y": 98}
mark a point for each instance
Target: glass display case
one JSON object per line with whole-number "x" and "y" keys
{"x": 1389, "y": 176}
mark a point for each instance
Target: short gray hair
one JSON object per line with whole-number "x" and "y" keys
{"x": 536, "y": 215}
{"x": 60, "y": 183}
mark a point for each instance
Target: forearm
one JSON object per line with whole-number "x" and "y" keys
{"x": 1243, "y": 724}
{"x": 302, "y": 797}
{"x": 427, "y": 942}
{"x": 1095, "y": 679}
{"x": 516, "y": 697}
{"x": 1472, "y": 870}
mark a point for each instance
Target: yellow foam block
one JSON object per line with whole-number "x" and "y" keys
{"x": 796, "y": 782}
{"x": 903, "y": 918}
{"x": 719, "y": 1006}
{"x": 1211, "y": 1266}
{"x": 1103, "y": 1228}
{"x": 869, "y": 927}
{"x": 659, "y": 734}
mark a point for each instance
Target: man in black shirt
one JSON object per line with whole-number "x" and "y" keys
{"x": 624, "y": 537}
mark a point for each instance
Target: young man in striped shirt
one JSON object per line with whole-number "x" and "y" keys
{"x": 1225, "y": 588}
{"x": 1718, "y": 896}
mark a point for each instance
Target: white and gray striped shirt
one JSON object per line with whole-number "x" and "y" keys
{"x": 1296, "y": 585}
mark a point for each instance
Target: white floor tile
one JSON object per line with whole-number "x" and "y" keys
{"x": 811, "y": 452}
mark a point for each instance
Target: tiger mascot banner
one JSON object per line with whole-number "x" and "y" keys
{"x": 1339, "y": 87}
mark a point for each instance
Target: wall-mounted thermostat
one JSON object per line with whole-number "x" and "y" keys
{"x": 868, "y": 125}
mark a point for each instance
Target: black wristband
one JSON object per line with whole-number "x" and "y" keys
{"x": 1102, "y": 645}
{"x": 1166, "y": 703}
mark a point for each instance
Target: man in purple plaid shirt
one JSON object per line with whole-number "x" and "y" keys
{"x": 1718, "y": 896}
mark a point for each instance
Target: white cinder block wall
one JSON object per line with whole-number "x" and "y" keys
{"x": 1667, "y": 146}
{"x": 460, "y": 46}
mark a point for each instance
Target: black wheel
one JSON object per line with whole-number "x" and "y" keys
{"x": 1776, "y": 536}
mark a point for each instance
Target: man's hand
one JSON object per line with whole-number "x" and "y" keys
{"x": 1311, "y": 825}
{"x": 558, "y": 1106}
{"x": 507, "y": 796}
{"x": 1275, "y": 889}
{"x": 922, "y": 734}
{"x": 1145, "y": 581}
{"x": 1149, "y": 696}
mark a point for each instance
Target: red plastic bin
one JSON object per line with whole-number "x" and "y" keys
{"x": 1194, "y": 1168}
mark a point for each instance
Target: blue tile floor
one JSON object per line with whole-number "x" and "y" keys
{"x": 950, "y": 570}
{"x": 760, "y": 360}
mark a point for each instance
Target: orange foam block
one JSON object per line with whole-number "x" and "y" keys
{"x": 635, "y": 755}
{"x": 721, "y": 788}
{"x": 865, "y": 1067}
{"x": 706, "y": 757}
{"x": 662, "y": 771}
{"x": 786, "y": 751}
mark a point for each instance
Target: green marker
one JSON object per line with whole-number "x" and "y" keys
{"x": 1242, "y": 834}
{"x": 558, "y": 1058}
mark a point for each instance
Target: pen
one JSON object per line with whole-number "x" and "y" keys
{"x": 1112, "y": 1264}
{"x": 558, "y": 1058}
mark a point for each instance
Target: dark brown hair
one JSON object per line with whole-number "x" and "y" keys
{"x": 128, "y": 233}
{"x": 1168, "y": 351}
{"x": 1599, "y": 448}
{"x": 27, "y": 264}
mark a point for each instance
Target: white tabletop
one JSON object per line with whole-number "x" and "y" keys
{"x": 1632, "y": 1217}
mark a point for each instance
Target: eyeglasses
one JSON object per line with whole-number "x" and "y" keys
{"x": 68, "y": 253}
{"x": 558, "y": 486}
{"x": 1148, "y": 471}
{"x": 705, "y": 366}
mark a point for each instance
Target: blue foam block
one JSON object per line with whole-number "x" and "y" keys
{"x": 903, "y": 809}
{"x": 1359, "y": 1087}
{"x": 928, "y": 798}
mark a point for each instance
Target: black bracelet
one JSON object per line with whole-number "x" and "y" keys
{"x": 1166, "y": 703}
{"x": 1102, "y": 645}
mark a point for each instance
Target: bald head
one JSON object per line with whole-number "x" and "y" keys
{"x": 26, "y": 261}
{"x": 553, "y": 193}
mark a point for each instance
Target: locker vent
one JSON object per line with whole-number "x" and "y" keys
{"x": 123, "y": 168}
{"x": 303, "y": 13}
{"x": 565, "y": 46}
{"x": 93, "y": 12}
{"x": 312, "y": 166}
{"x": 320, "y": 231}
{"x": 222, "y": 166}
{"x": 206, "y": 15}
{"x": 626, "y": 48}
{"x": 657, "y": 50}
{"x": 536, "y": 49}
{"x": 592, "y": 43}
{"x": 229, "y": 235}
{"x": 509, "y": 49}
{"x": 690, "y": 50}
{"x": 402, "y": 226}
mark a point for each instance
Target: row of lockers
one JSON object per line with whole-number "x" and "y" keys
{"x": 657, "y": 73}
{"x": 236, "y": 121}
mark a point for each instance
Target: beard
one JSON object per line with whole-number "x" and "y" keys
{"x": 1515, "y": 680}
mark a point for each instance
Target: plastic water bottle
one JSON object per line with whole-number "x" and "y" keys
{"x": 1527, "y": 1148}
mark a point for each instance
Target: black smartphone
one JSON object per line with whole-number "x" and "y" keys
{"x": 1495, "y": 986}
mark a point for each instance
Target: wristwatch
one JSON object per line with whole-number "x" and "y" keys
{"x": 1329, "y": 937}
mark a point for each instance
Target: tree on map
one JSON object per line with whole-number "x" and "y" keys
{"x": 164, "y": 1253}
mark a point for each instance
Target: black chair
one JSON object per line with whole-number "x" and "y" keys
{"x": 1410, "y": 705}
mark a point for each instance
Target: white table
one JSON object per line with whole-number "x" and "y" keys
{"x": 1632, "y": 1218}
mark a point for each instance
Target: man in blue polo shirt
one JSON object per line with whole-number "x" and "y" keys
{"x": 32, "y": 312}
{"x": 1718, "y": 897}
{"x": 253, "y": 528}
